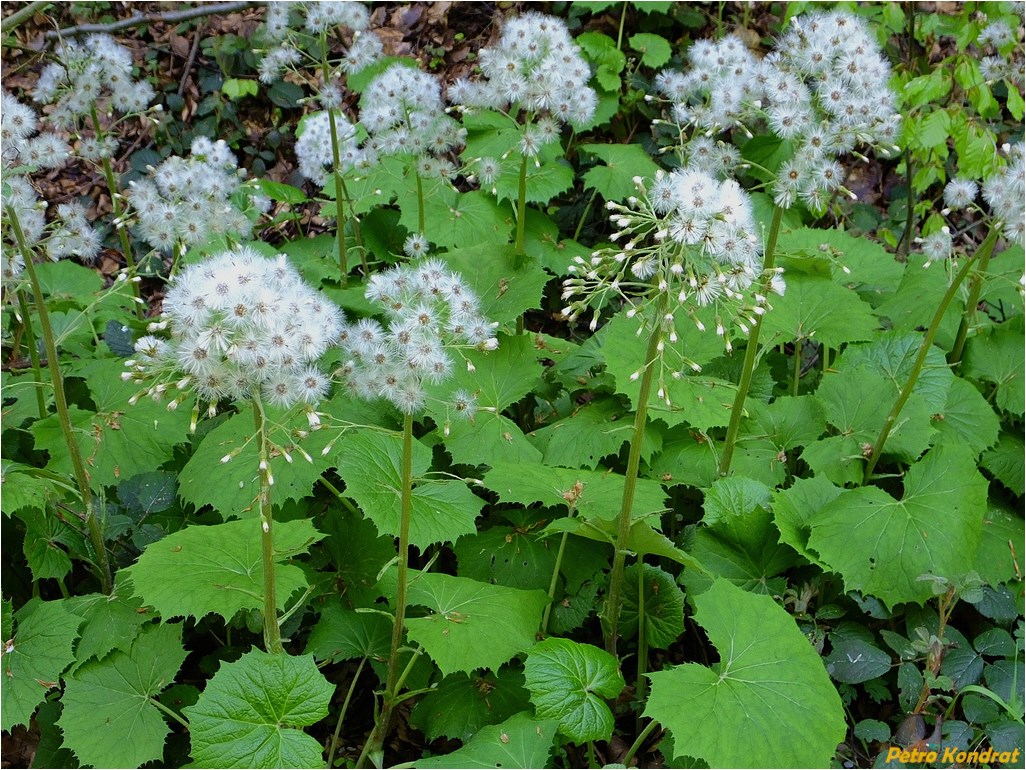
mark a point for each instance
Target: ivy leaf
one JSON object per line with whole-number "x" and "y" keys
{"x": 35, "y": 653}
{"x": 655, "y": 50}
{"x": 108, "y": 719}
{"x": 623, "y": 162}
{"x": 663, "y": 606}
{"x": 344, "y": 634}
{"x": 967, "y": 419}
{"x": 880, "y": 546}
{"x": 596, "y": 494}
{"x": 997, "y": 356}
{"x": 569, "y": 681}
{"x": 581, "y": 440}
{"x": 371, "y": 464}
{"x": 219, "y": 569}
{"x": 472, "y": 624}
{"x": 854, "y": 660}
{"x": 769, "y": 686}
{"x": 249, "y": 713}
{"x": 815, "y": 307}
{"x": 519, "y": 742}
{"x": 232, "y": 487}
{"x": 464, "y": 703}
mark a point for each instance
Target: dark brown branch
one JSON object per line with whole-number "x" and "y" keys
{"x": 171, "y": 17}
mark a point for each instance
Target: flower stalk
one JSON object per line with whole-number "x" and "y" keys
{"x": 985, "y": 249}
{"x": 975, "y": 287}
{"x": 33, "y": 351}
{"x": 272, "y": 630}
{"x": 611, "y": 613}
{"x": 751, "y": 353}
{"x": 102, "y": 565}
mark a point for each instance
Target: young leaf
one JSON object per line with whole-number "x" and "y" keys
{"x": 471, "y": 624}
{"x": 108, "y": 719}
{"x": 570, "y": 682}
{"x": 343, "y": 634}
{"x": 519, "y": 742}
{"x": 464, "y": 703}
{"x": 880, "y": 546}
{"x": 664, "y": 606}
{"x": 371, "y": 462}
{"x": 655, "y": 50}
{"x": 769, "y": 686}
{"x": 219, "y": 569}
{"x": 249, "y": 713}
{"x": 35, "y": 654}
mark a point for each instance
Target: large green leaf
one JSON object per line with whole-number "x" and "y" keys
{"x": 46, "y": 540}
{"x": 34, "y": 655}
{"x": 817, "y": 308}
{"x": 858, "y": 263}
{"x": 119, "y": 439}
{"x": 997, "y": 356}
{"x": 519, "y": 742}
{"x": 371, "y": 464}
{"x": 881, "y": 546}
{"x": 571, "y": 682}
{"x": 109, "y": 719}
{"x": 662, "y": 606}
{"x": 508, "y": 556}
{"x": 996, "y": 558}
{"x": 893, "y": 355}
{"x": 250, "y": 712}
{"x": 464, "y": 703}
{"x": 594, "y": 494}
{"x": 232, "y": 487}
{"x": 457, "y": 220}
{"x": 472, "y": 624}
{"x": 967, "y": 419}
{"x": 769, "y": 687}
{"x": 623, "y": 162}
{"x": 111, "y": 622}
{"x": 581, "y": 440}
{"x": 915, "y": 302}
{"x": 343, "y": 634}
{"x": 1005, "y": 460}
{"x": 23, "y": 488}
{"x": 219, "y": 569}
{"x": 544, "y": 181}
{"x": 506, "y": 285}
{"x": 700, "y": 401}
{"x": 796, "y": 508}
{"x": 357, "y": 553}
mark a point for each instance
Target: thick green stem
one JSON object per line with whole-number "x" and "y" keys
{"x": 421, "y": 210}
{"x": 340, "y": 217}
{"x": 63, "y": 415}
{"x": 751, "y": 352}
{"x": 23, "y": 14}
{"x": 115, "y": 204}
{"x": 342, "y": 713}
{"x": 30, "y": 341}
{"x": 639, "y": 742}
{"x": 354, "y": 221}
{"x": 623, "y": 528}
{"x": 518, "y": 244}
{"x": 272, "y": 629}
{"x": 554, "y": 582}
{"x": 924, "y": 348}
{"x": 975, "y": 287}
{"x": 796, "y": 374}
{"x": 639, "y": 686}
{"x": 389, "y": 698}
